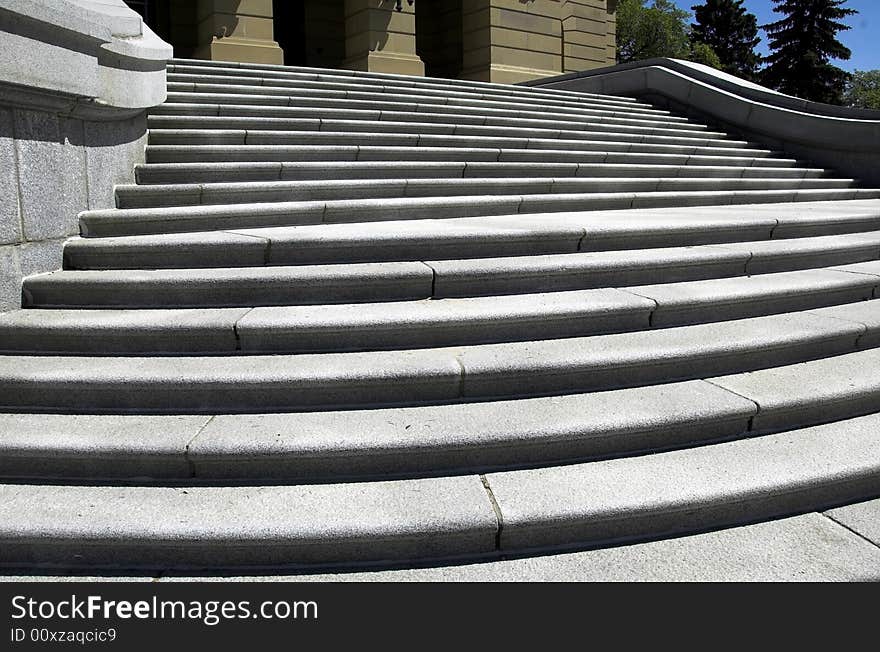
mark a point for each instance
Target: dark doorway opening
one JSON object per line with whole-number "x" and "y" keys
{"x": 438, "y": 37}
{"x": 311, "y": 32}
{"x": 289, "y": 25}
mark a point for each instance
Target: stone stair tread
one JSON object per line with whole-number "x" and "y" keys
{"x": 413, "y": 134}
{"x": 806, "y": 548}
{"x": 666, "y": 493}
{"x": 550, "y": 507}
{"x": 296, "y": 154}
{"x": 454, "y": 144}
{"x": 161, "y": 331}
{"x": 225, "y": 69}
{"x": 415, "y": 103}
{"x": 371, "y": 443}
{"x": 169, "y": 124}
{"x": 860, "y": 518}
{"x": 231, "y": 286}
{"x": 401, "y": 280}
{"x": 811, "y": 392}
{"x": 864, "y": 313}
{"x": 738, "y": 298}
{"x": 427, "y": 322}
{"x": 409, "y": 377}
{"x": 218, "y": 172}
{"x": 248, "y": 192}
{"x": 384, "y": 442}
{"x": 230, "y": 526}
{"x": 143, "y": 221}
{"x": 457, "y": 237}
{"x": 439, "y": 113}
{"x": 342, "y": 91}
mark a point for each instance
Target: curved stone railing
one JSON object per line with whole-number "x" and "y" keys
{"x": 90, "y": 59}
{"x": 842, "y": 138}
{"x": 76, "y": 79}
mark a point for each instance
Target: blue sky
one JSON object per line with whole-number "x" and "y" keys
{"x": 863, "y": 39}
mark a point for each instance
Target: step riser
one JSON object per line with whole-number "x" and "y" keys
{"x": 441, "y": 518}
{"x": 217, "y": 527}
{"x": 275, "y": 330}
{"x": 363, "y": 80}
{"x": 208, "y": 218}
{"x": 304, "y": 191}
{"x": 417, "y": 104}
{"x": 254, "y": 86}
{"x": 330, "y": 154}
{"x": 322, "y": 139}
{"x": 415, "y": 138}
{"x": 478, "y": 437}
{"x": 226, "y": 173}
{"x": 298, "y": 248}
{"x": 549, "y": 129}
{"x": 436, "y": 114}
{"x": 213, "y": 460}
{"x": 407, "y": 381}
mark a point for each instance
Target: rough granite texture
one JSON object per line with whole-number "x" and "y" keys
{"x": 51, "y": 168}
{"x": 808, "y": 548}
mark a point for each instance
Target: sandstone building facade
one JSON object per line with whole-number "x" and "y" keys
{"x": 484, "y": 40}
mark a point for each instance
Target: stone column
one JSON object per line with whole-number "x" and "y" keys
{"x": 589, "y": 34}
{"x": 237, "y": 30}
{"x": 380, "y": 39}
{"x": 509, "y": 41}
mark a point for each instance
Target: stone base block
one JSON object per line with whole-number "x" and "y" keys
{"x": 243, "y": 50}
{"x": 398, "y": 64}
{"x": 500, "y": 74}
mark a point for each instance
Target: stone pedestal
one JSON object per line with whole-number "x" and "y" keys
{"x": 380, "y": 39}
{"x": 237, "y": 30}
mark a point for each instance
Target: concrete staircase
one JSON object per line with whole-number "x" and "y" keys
{"x": 360, "y": 320}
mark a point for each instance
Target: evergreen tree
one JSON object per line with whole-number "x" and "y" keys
{"x": 732, "y": 32}
{"x": 802, "y": 44}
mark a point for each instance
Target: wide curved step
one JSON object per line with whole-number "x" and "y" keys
{"x": 398, "y": 442}
{"x": 329, "y": 146}
{"x": 341, "y": 90}
{"x": 398, "y": 281}
{"x": 296, "y": 154}
{"x": 484, "y": 237}
{"x": 409, "y": 377}
{"x": 226, "y": 71}
{"x": 398, "y": 135}
{"x": 180, "y": 219}
{"x": 414, "y": 104}
{"x": 136, "y": 196}
{"x": 440, "y": 518}
{"x": 219, "y": 172}
{"x": 699, "y": 488}
{"x": 436, "y": 113}
{"x": 171, "y": 128}
{"x": 421, "y": 323}
{"x": 812, "y": 547}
